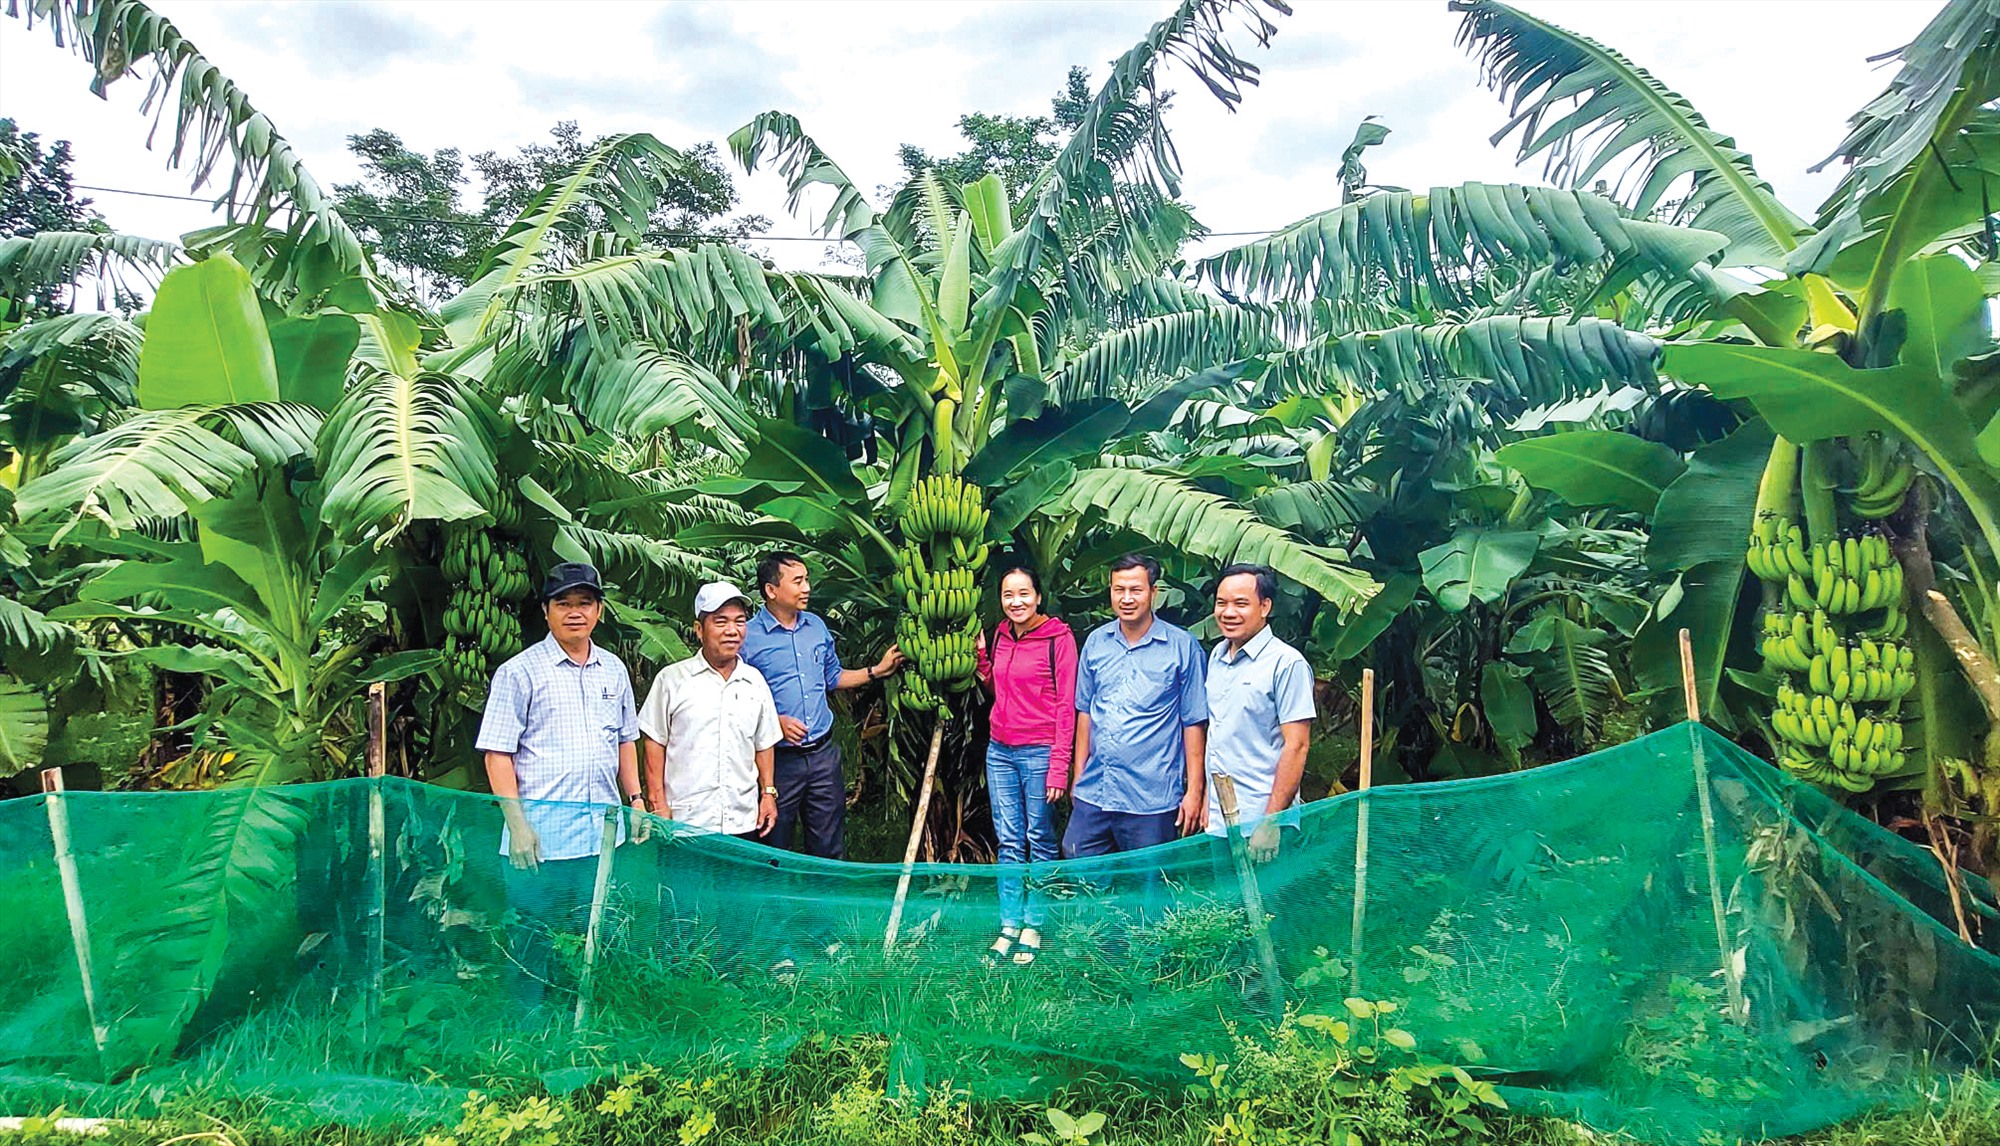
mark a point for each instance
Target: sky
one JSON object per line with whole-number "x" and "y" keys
{"x": 864, "y": 77}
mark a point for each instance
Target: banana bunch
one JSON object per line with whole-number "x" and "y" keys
{"x": 1777, "y": 550}
{"x": 1869, "y": 672}
{"x": 937, "y": 580}
{"x": 948, "y": 658}
{"x": 1884, "y": 483}
{"x": 1856, "y": 748}
{"x": 489, "y": 575}
{"x": 943, "y": 598}
{"x": 1847, "y": 575}
{"x": 1864, "y": 670}
{"x": 1815, "y": 634}
{"x": 1819, "y": 721}
{"x": 1853, "y": 749}
{"x": 472, "y": 557}
{"x": 944, "y": 509}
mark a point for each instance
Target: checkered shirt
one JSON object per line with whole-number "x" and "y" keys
{"x": 562, "y": 722}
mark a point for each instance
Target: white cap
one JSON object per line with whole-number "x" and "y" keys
{"x": 715, "y": 595}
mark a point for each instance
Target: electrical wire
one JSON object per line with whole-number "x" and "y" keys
{"x": 483, "y": 226}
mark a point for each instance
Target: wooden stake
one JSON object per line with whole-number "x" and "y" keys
{"x": 1361, "y": 832}
{"x": 1253, "y": 895}
{"x": 597, "y": 895}
{"x": 377, "y": 881}
{"x": 916, "y": 836}
{"x": 1738, "y": 1011}
{"x": 72, "y": 889}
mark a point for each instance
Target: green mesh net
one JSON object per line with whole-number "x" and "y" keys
{"x": 1555, "y": 929}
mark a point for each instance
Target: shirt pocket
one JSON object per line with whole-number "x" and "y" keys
{"x": 1141, "y": 690}
{"x": 607, "y": 713}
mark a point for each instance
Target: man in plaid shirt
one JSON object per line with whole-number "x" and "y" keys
{"x": 560, "y": 738}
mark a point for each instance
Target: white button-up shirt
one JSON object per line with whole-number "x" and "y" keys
{"x": 712, "y": 729}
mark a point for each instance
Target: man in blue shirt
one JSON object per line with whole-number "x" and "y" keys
{"x": 1260, "y": 708}
{"x": 560, "y": 737}
{"x": 793, "y": 649}
{"x": 1140, "y": 711}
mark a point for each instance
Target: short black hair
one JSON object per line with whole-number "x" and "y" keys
{"x": 1138, "y": 561}
{"x": 772, "y": 566}
{"x": 1008, "y": 569}
{"x": 1267, "y": 578}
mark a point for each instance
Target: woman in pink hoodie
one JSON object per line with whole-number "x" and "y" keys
{"x": 1031, "y": 668}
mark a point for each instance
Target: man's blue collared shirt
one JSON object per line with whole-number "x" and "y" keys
{"x": 1139, "y": 697}
{"x": 562, "y": 722}
{"x": 1251, "y": 696}
{"x": 799, "y": 664}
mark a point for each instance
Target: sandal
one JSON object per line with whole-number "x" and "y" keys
{"x": 1028, "y": 947}
{"x": 1001, "y": 945}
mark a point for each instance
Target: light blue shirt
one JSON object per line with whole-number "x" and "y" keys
{"x": 799, "y": 664}
{"x": 562, "y": 722}
{"x": 1251, "y": 696}
{"x": 1139, "y": 698}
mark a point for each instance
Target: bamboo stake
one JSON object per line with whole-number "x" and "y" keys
{"x": 1253, "y": 895}
{"x": 72, "y": 889}
{"x": 916, "y": 836}
{"x": 1737, "y": 1009}
{"x": 378, "y": 831}
{"x": 597, "y": 894}
{"x": 1361, "y": 832}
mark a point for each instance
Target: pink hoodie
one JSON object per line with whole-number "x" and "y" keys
{"x": 1034, "y": 691}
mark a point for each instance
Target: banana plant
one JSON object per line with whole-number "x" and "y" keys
{"x": 1863, "y": 343}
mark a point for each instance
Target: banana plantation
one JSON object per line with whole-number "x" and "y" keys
{"x": 1510, "y": 449}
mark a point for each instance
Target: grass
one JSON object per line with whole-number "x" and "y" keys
{"x": 831, "y": 1093}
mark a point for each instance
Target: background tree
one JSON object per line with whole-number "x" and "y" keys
{"x": 1014, "y": 147}
{"x": 37, "y": 189}
{"x": 38, "y": 195}
{"x": 414, "y": 207}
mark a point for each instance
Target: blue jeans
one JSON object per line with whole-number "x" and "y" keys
{"x": 1016, "y": 784}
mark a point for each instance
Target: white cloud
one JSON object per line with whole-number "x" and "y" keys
{"x": 867, "y": 76}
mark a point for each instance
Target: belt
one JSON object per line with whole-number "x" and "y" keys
{"x": 809, "y": 745}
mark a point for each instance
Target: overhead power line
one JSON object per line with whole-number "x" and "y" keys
{"x": 483, "y": 226}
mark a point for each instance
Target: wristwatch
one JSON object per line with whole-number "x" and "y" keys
{"x": 770, "y": 791}
{"x": 636, "y": 798}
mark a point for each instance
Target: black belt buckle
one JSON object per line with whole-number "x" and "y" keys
{"x": 809, "y": 745}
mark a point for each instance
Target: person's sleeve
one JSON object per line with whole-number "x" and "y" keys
{"x": 983, "y": 659}
{"x": 767, "y": 733}
{"x": 1086, "y": 680}
{"x": 1194, "y": 684}
{"x": 1063, "y": 751}
{"x": 1294, "y": 692}
{"x": 628, "y": 726}
{"x": 656, "y": 715}
{"x": 832, "y": 662}
{"x": 506, "y": 716}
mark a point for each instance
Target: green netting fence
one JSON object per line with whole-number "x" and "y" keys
{"x": 349, "y": 950}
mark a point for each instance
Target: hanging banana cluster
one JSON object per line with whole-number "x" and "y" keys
{"x": 1886, "y": 474}
{"x": 1858, "y": 748}
{"x": 1864, "y": 671}
{"x": 940, "y": 592}
{"x": 489, "y": 575}
{"x": 1843, "y": 576}
{"x": 1835, "y": 632}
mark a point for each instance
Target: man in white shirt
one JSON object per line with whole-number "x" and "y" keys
{"x": 709, "y": 726}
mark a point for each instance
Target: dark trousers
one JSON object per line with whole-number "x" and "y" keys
{"x": 553, "y": 897}
{"x": 810, "y": 789}
{"x": 1095, "y": 831}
